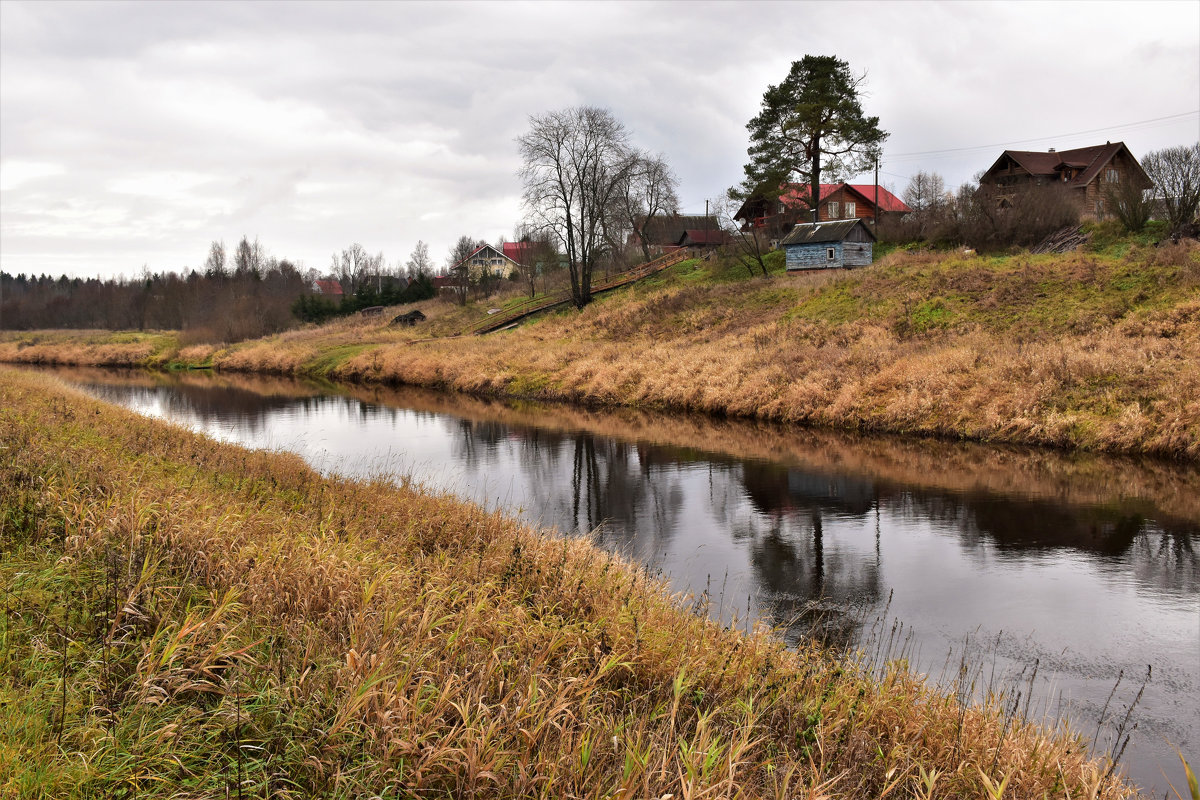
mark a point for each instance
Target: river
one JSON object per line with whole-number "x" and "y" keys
{"x": 1073, "y": 579}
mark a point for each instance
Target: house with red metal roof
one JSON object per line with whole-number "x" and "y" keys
{"x": 1089, "y": 172}
{"x": 519, "y": 252}
{"x": 328, "y": 288}
{"x": 838, "y": 201}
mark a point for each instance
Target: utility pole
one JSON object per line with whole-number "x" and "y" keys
{"x": 875, "y": 215}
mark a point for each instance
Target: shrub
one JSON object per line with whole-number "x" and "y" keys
{"x": 995, "y": 218}
{"x": 1129, "y": 204}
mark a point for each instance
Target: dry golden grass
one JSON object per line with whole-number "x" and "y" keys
{"x": 1076, "y": 351}
{"x": 1081, "y": 479}
{"x": 251, "y": 626}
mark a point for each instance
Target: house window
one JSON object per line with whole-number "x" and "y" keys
{"x": 1099, "y": 208}
{"x": 830, "y": 254}
{"x": 833, "y": 210}
{"x": 1111, "y": 176}
{"x": 849, "y": 210}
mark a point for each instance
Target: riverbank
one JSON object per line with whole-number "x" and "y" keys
{"x": 1094, "y": 351}
{"x": 190, "y": 616}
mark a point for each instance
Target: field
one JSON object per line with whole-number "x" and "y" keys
{"x": 1090, "y": 350}
{"x": 190, "y": 619}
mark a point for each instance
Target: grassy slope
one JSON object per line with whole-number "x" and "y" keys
{"x": 1086, "y": 350}
{"x": 184, "y": 618}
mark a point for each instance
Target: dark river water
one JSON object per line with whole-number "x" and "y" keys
{"x": 1055, "y": 575}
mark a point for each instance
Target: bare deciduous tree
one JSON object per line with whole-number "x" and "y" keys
{"x": 751, "y": 244}
{"x": 926, "y": 192}
{"x": 249, "y": 258}
{"x": 419, "y": 263}
{"x": 355, "y": 266}
{"x": 573, "y": 165}
{"x": 647, "y": 191}
{"x": 1129, "y": 203}
{"x": 1176, "y": 175}
{"x": 214, "y": 265}
{"x": 535, "y": 256}
{"x": 456, "y": 264}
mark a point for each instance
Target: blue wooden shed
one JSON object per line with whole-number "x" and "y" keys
{"x": 829, "y": 245}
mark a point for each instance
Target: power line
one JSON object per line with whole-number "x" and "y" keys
{"x": 1041, "y": 138}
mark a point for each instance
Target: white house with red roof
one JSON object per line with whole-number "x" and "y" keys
{"x": 487, "y": 260}
{"x": 327, "y": 287}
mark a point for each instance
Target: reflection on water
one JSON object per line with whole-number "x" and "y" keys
{"x": 1084, "y": 565}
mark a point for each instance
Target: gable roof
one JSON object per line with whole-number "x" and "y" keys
{"x": 328, "y": 286}
{"x": 518, "y": 251}
{"x": 887, "y": 201}
{"x": 669, "y": 228}
{"x": 702, "y": 237}
{"x": 480, "y": 249}
{"x": 1089, "y": 160}
{"x": 822, "y": 232}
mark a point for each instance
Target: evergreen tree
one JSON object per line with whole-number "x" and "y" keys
{"x": 811, "y": 125}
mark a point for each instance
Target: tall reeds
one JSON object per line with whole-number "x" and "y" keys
{"x": 200, "y": 620}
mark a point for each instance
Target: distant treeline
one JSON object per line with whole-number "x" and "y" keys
{"x": 256, "y": 295}
{"x": 317, "y": 308}
{"x": 204, "y": 306}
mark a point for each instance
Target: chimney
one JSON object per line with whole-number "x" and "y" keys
{"x": 1051, "y": 149}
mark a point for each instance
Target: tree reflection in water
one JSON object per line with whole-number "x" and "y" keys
{"x": 814, "y": 588}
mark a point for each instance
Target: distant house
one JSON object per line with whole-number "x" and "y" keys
{"x": 487, "y": 260}
{"x": 519, "y": 252}
{"x": 328, "y": 288}
{"x": 665, "y": 230}
{"x": 446, "y": 284}
{"x": 828, "y": 245}
{"x": 703, "y": 238}
{"x": 1087, "y": 171}
{"x": 838, "y": 201}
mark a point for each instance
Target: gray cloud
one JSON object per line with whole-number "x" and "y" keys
{"x": 135, "y": 133}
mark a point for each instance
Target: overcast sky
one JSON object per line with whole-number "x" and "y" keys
{"x": 135, "y": 134}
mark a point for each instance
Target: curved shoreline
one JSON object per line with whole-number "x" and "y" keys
{"x": 1070, "y": 352}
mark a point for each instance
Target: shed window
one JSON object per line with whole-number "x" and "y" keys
{"x": 849, "y": 210}
{"x": 830, "y": 254}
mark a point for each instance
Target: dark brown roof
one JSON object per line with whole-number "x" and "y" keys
{"x": 669, "y": 228}
{"x": 1090, "y": 160}
{"x": 821, "y": 232}
{"x": 696, "y": 237}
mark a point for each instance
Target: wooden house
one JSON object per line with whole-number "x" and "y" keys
{"x": 1089, "y": 172}
{"x": 838, "y": 201}
{"x": 665, "y": 230}
{"x": 829, "y": 245}
{"x": 703, "y": 238}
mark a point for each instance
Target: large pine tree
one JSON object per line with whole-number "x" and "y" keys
{"x": 811, "y": 125}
